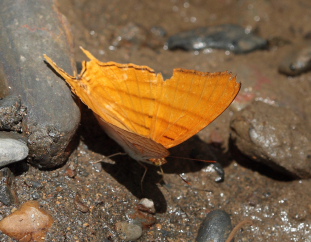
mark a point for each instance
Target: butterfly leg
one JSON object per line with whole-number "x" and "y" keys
{"x": 144, "y": 175}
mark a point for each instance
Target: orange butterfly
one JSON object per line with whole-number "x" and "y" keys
{"x": 145, "y": 114}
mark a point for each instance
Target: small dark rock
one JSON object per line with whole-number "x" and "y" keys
{"x": 220, "y": 171}
{"x": 216, "y": 227}
{"x": 34, "y": 184}
{"x": 274, "y": 136}
{"x": 228, "y": 37}
{"x": 35, "y": 195}
{"x": 297, "y": 61}
{"x": 80, "y": 205}
{"x": 7, "y": 196}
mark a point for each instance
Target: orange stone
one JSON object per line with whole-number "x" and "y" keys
{"x": 29, "y": 223}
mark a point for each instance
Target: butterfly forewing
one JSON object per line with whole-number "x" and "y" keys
{"x": 126, "y": 91}
{"x": 191, "y": 100}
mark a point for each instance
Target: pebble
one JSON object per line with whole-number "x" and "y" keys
{"x": 46, "y": 97}
{"x": 79, "y": 204}
{"x": 35, "y": 195}
{"x": 297, "y": 60}
{"x": 216, "y": 227}
{"x": 219, "y": 170}
{"x": 143, "y": 213}
{"x": 146, "y": 205}
{"x": 227, "y": 36}
{"x": 12, "y": 148}
{"x": 142, "y": 216}
{"x": 34, "y": 184}
{"x": 275, "y": 137}
{"x": 29, "y": 223}
{"x": 7, "y": 195}
{"x": 128, "y": 231}
{"x": 71, "y": 173}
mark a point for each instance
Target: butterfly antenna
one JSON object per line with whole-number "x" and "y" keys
{"x": 184, "y": 158}
{"x": 119, "y": 153}
{"x": 217, "y": 167}
{"x": 184, "y": 180}
{"x": 237, "y": 228}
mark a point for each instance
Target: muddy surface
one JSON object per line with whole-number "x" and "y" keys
{"x": 91, "y": 193}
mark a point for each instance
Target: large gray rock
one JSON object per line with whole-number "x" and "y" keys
{"x": 30, "y": 29}
{"x": 274, "y": 136}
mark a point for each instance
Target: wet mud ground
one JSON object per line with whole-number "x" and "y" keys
{"x": 91, "y": 193}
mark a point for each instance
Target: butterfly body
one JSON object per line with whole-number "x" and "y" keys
{"x": 145, "y": 114}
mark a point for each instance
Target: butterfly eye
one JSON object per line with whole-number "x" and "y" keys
{"x": 159, "y": 161}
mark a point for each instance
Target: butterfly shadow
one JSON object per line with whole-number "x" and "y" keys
{"x": 130, "y": 173}
{"x": 275, "y": 172}
{"x": 122, "y": 168}
{"x": 194, "y": 155}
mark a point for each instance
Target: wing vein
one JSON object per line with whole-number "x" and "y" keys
{"x": 172, "y": 105}
{"x": 125, "y": 114}
{"x": 184, "y": 111}
{"x": 171, "y": 124}
{"x": 140, "y": 100}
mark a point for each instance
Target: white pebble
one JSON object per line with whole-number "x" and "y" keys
{"x": 12, "y": 150}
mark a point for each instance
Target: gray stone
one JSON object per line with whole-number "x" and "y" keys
{"x": 128, "y": 231}
{"x": 216, "y": 227}
{"x": 227, "y": 36}
{"x": 12, "y": 148}
{"x": 274, "y": 136}
{"x": 30, "y": 29}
